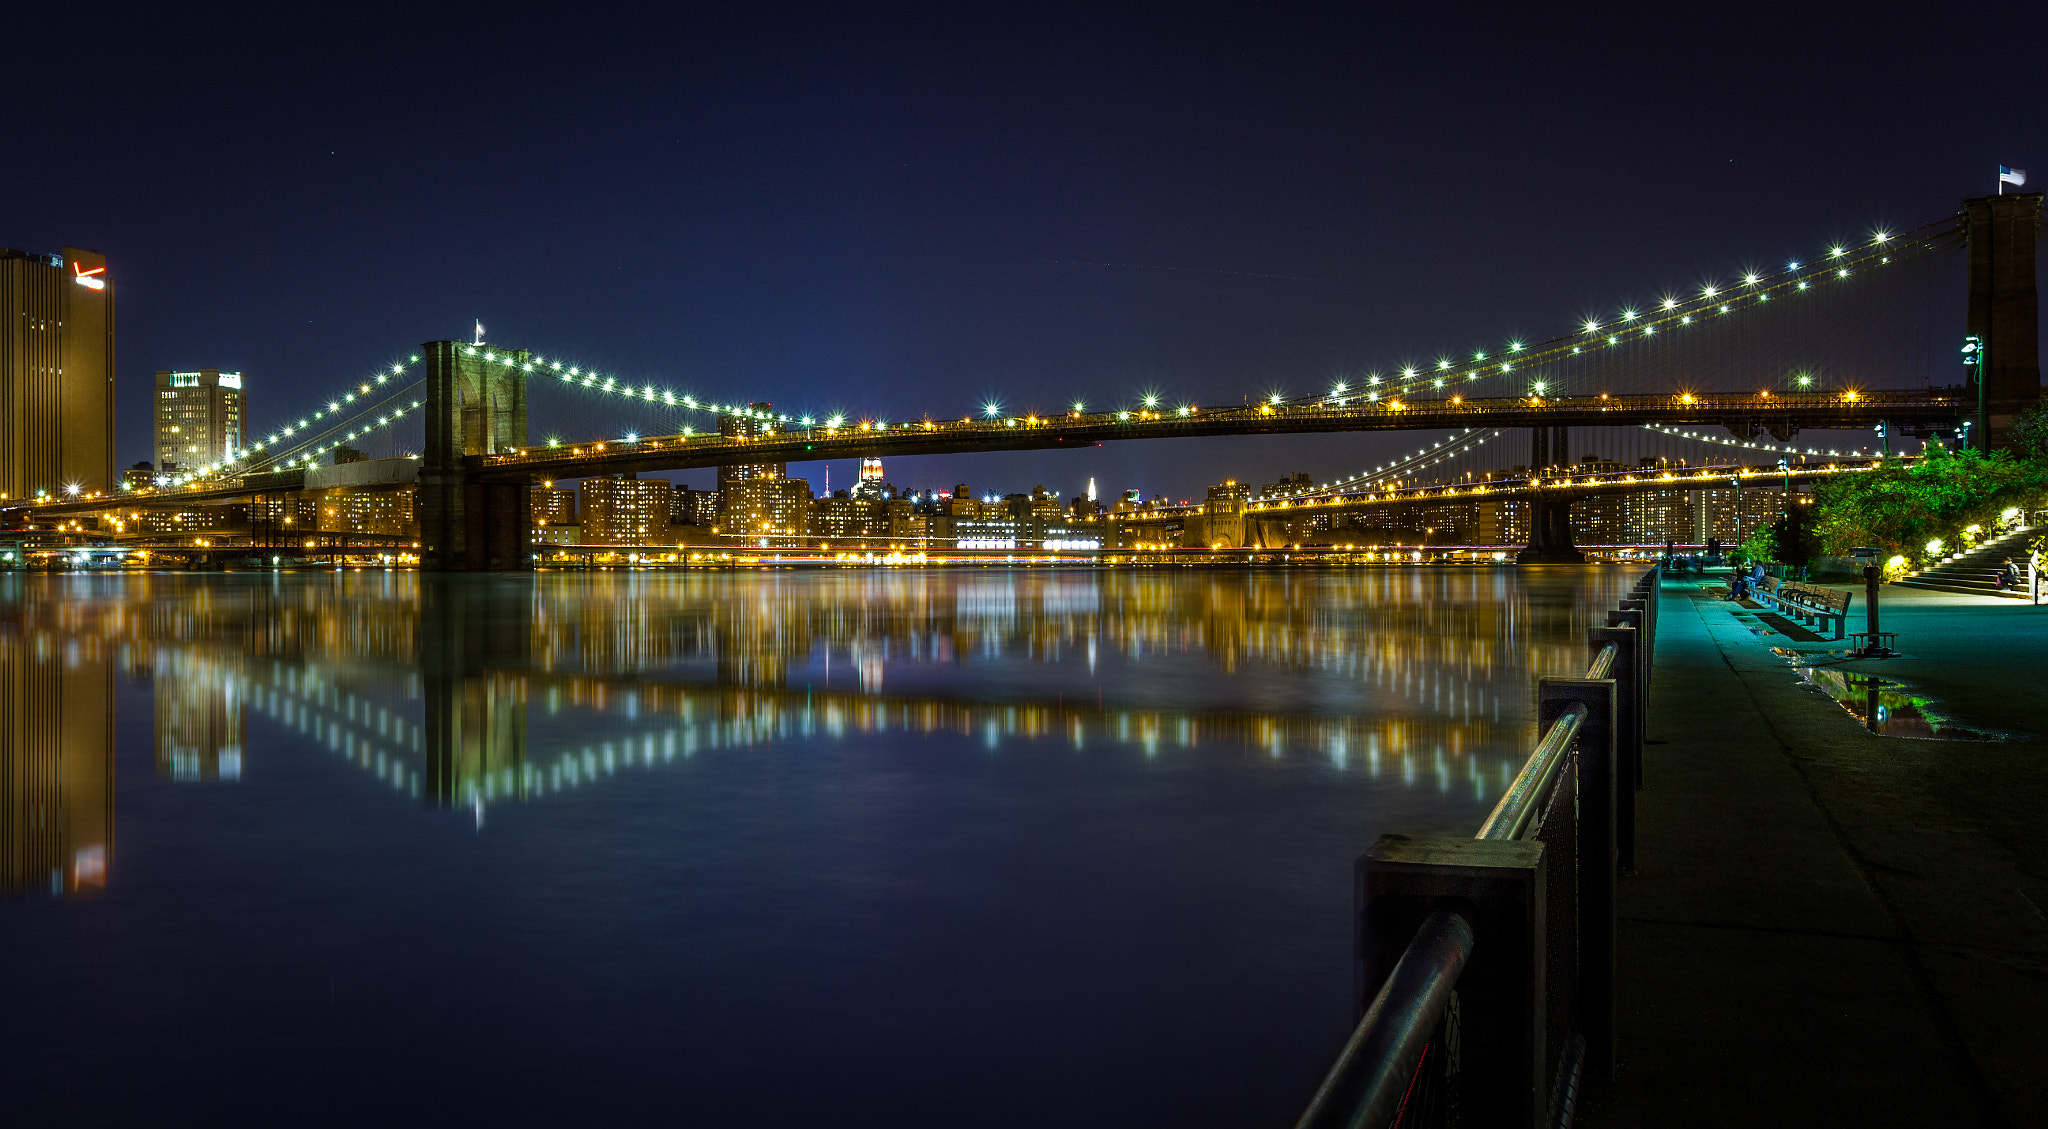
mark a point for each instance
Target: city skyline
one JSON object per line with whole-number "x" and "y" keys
{"x": 1292, "y": 228}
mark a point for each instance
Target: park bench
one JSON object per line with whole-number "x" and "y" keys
{"x": 1808, "y": 603}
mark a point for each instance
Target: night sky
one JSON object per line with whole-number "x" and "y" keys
{"x": 905, "y": 212}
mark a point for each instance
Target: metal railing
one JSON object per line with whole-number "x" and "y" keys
{"x": 1486, "y": 965}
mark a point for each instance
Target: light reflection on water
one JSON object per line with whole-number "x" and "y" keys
{"x": 1210, "y": 749}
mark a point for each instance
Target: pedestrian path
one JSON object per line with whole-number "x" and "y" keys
{"x": 1829, "y": 927}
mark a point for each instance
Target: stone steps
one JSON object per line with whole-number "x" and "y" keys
{"x": 1976, "y": 571}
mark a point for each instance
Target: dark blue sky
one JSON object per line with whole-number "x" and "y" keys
{"x": 905, "y": 211}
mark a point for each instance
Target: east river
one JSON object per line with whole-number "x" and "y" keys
{"x": 893, "y": 848}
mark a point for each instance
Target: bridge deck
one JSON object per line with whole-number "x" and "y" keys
{"x": 1785, "y": 412}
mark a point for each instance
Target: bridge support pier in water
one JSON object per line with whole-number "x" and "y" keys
{"x": 476, "y": 405}
{"x": 1550, "y": 533}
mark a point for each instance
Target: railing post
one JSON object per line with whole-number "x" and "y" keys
{"x": 1497, "y": 886}
{"x": 1599, "y": 767}
{"x": 1650, "y": 589}
{"x": 1638, "y": 619}
{"x": 1628, "y": 754}
{"x": 1648, "y": 620}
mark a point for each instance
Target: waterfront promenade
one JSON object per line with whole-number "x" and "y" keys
{"x": 1826, "y": 926}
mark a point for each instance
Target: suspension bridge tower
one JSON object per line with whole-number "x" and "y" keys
{"x": 476, "y": 405}
{"x": 2005, "y": 306}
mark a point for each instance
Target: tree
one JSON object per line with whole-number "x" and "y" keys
{"x": 1792, "y": 539}
{"x": 2028, "y": 435}
{"x": 1902, "y": 508}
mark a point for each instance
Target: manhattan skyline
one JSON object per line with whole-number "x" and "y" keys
{"x": 897, "y": 214}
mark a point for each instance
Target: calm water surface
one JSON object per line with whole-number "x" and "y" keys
{"x": 872, "y": 848}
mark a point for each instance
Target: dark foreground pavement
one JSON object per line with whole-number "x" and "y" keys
{"x": 1829, "y": 927}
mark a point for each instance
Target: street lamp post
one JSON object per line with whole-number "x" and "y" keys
{"x": 1974, "y": 353}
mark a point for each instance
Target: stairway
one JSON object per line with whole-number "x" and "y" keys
{"x": 1976, "y": 571}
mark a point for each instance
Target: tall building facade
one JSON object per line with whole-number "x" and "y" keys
{"x": 357, "y": 509}
{"x": 552, "y": 505}
{"x": 767, "y": 507}
{"x": 56, "y": 373}
{"x": 625, "y": 511}
{"x": 693, "y": 507}
{"x": 842, "y": 518}
{"x": 199, "y": 418}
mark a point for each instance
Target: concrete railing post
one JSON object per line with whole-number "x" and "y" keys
{"x": 1638, "y": 619}
{"x": 1628, "y": 756}
{"x": 1497, "y": 886}
{"x": 1599, "y": 767}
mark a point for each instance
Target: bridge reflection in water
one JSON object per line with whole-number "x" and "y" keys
{"x": 464, "y": 692}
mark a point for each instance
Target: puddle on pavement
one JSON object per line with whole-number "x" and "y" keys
{"x": 1881, "y": 705}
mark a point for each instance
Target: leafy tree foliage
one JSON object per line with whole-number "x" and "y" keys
{"x": 1900, "y": 508}
{"x": 2028, "y": 435}
{"x": 1788, "y": 541}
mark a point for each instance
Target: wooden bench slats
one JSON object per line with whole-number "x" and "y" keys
{"x": 1808, "y": 601}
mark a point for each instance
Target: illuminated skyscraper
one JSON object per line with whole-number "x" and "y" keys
{"x": 198, "y": 418}
{"x": 56, "y": 373}
{"x": 872, "y": 486}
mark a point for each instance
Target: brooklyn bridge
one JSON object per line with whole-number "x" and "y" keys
{"x": 1834, "y": 345}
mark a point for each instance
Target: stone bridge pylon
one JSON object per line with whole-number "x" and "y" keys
{"x": 472, "y": 409}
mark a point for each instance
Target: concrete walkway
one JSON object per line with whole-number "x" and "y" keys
{"x": 1829, "y": 927}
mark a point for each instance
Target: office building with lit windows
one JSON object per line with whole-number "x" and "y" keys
{"x": 56, "y": 373}
{"x": 762, "y": 509}
{"x": 552, "y": 505}
{"x": 199, "y": 418}
{"x": 625, "y": 511}
{"x": 349, "y": 509}
{"x": 694, "y": 507}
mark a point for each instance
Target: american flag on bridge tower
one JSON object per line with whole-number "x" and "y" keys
{"x": 2013, "y": 177}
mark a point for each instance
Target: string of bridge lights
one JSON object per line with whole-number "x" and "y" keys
{"x": 336, "y": 405}
{"x": 1783, "y": 449}
{"x": 390, "y": 419}
{"x": 1444, "y": 449}
{"x": 309, "y": 455}
{"x": 363, "y": 389}
{"x": 1629, "y": 324}
{"x": 580, "y": 377}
